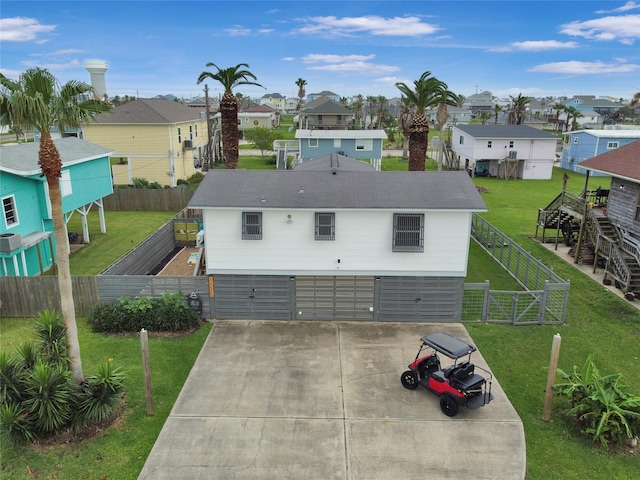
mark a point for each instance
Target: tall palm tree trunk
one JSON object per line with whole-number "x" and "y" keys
{"x": 417, "y": 150}
{"x": 51, "y": 164}
{"x": 230, "y": 136}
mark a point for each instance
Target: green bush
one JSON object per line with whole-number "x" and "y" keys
{"x": 196, "y": 178}
{"x": 603, "y": 405}
{"x": 38, "y": 396}
{"x": 170, "y": 313}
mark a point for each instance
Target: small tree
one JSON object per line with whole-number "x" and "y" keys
{"x": 261, "y": 137}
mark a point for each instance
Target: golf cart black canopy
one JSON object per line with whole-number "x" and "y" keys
{"x": 448, "y": 345}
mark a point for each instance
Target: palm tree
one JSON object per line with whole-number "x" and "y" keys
{"x": 558, "y": 107}
{"x": 405, "y": 116}
{"x": 635, "y": 100}
{"x": 428, "y": 92}
{"x": 230, "y": 78}
{"x": 36, "y": 100}
{"x": 356, "y": 107}
{"x": 484, "y": 116}
{"x": 572, "y": 112}
{"x": 496, "y": 111}
{"x": 371, "y": 102}
{"x": 301, "y": 83}
{"x": 517, "y": 109}
{"x": 382, "y": 103}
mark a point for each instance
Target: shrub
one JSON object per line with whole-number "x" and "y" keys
{"x": 170, "y": 313}
{"x": 196, "y": 178}
{"x": 155, "y": 186}
{"x": 140, "y": 183}
{"x": 602, "y": 404}
{"x": 38, "y": 396}
{"x": 99, "y": 395}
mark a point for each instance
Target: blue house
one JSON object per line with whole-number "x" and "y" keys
{"x": 360, "y": 144}
{"x": 581, "y": 145}
{"x": 26, "y": 230}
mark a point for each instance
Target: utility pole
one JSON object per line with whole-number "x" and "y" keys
{"x": 209, "y": 134}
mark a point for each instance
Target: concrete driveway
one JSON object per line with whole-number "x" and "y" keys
{"x": 323, "y": 400}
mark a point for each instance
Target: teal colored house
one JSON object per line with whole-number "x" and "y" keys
{"x": 26, "y": 228}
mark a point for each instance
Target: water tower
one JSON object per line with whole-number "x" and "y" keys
{"x": 97, "y": 69}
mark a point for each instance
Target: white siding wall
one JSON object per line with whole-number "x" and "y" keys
{"x": 363, "y": 244}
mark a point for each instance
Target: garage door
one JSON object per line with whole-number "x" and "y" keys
{"x": 334, "y": 298}
{"x": 420, "y": 299}
{"x": 253, "y": 297}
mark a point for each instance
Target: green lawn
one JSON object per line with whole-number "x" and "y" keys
{"x": 598, "y": 322}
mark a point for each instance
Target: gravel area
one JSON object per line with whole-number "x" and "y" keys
{"x": 179, "y": 265}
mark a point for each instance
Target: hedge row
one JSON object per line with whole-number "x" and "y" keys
{"x": 170, "y": 313}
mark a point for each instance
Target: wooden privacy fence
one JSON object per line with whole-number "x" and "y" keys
{"x": 148, "y": 199}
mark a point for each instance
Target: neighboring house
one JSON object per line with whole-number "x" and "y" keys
{"x": 291, "y": 104}
{"x": 480, "y": 102}
{"x": 506, "y": 151}
{"x": 326, "y": 114}
{"x": 456, "y": 115}
{"x": 581, "y": 145}
{"x": 337, "y": 240}
{"x": 589, "y": 119}
{"x": 259, "y": 116}
{"x": 26, "y": 230}
{"x": 325, "y": 93}
{"x": 274, "y": 100}
{"x": 607, "y": 219}
{"x": 155, "y": 139}
{"x": 584, "y": 103}
{"x": 360, "y": 144}
{"x": 201, "y": 104}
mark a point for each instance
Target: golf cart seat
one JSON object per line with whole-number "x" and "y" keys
{"x": 464, "y": 376}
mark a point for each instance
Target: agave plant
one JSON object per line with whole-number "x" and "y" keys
{"x": 99, "y": 395}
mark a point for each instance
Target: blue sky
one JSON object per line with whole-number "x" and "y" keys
{"x": 537, "y": 48}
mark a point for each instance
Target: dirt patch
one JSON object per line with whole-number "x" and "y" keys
{"x": 180, "y": 265}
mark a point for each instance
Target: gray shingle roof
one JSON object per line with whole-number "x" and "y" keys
{"x": 23, "y": 159}
{"x": 504, "y": 131}
{"x": 344, "y": 190}
{"x": 149, "y": 111}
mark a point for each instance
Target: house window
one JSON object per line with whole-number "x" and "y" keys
{"x": 575, "y": 139}
{"x": 337, "y": 143}
{"x": 190, "y": 132}
{"x": 196, "y": 131}
{"x": 461, "y": 141}
{"x": 364, "y": 144}
{"x": 325, "y": 226}
{"x": 252, "y": 225}
{"x": 637, "y": 216}
{"x": 9, "y": 210}
{"x": 65, "y": 183}
{"x": 511, "y": 143}
{"x": 179, "y": 135}
{"x": 239, "y": 121}
{"x": 313, "y": 142}
{"x": 611, "y": 145}
{"x": 408, "y": 232}
{"x": 489, "y": 144}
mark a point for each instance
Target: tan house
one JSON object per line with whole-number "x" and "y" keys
{"x": 155, "y": 139}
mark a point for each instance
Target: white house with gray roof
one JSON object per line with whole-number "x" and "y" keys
{"x": 333, "y": 238}
{"x": 506, "y": 151}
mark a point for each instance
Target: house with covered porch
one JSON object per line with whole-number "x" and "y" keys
{"x": 27, "y": 244}
{"x": 604, "y": 220}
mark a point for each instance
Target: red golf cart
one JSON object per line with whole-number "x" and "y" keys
{"x": 456, "y": 385}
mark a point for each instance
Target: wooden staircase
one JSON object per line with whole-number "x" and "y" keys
{"x": 619, "y": 251}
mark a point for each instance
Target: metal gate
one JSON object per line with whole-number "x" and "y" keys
{"x": 419, "y": 299}
{"x": 334, "y": 298}
{"x": 253, "y": 297}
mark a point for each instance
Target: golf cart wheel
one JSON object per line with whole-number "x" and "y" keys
{"x": 409, "y": 380}
{"x": 449, "y": 406}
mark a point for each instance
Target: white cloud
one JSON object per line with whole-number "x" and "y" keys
{"x": 624, "y": 28}
{"x": 370, "y": 24}
{"x": 539, "y": 45}
{"x": 288, "y": 59}
{"x": 238, "y": 31}
{"x": 574, "y": 67}
{"x": 631, "y": 5}
{"x": 346, "y": 63}
{"x": 53, "y": 66}
{"x": 328, "y": 58}
{"x": 265, "y": 30}
{"x": 57, "y": 53}
{"x": 22, "y": 29}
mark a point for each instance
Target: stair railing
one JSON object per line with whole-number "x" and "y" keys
{"x": 630, "y": 245}
{"x": 619, "y": 269}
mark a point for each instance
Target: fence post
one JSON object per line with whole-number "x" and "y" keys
{"x": 551, "y": 377}
{"x": 485, "y": 301}
{"x": 144, "y": 346}
{"x": 543, "y": 302}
